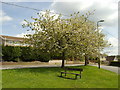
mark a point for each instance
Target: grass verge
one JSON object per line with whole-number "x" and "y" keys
{"x": 92, "y": 77}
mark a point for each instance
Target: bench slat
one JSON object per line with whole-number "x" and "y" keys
{"x": 74, "y": 69}
{"x": 71, "y": 73}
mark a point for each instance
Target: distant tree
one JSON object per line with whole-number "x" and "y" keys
{"x": 70, "y": 37}
{"x": 118, "y": 57}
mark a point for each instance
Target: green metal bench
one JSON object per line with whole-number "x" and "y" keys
{"x": 65, "y": 72}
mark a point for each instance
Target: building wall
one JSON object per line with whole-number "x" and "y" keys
{"x": 110, "y": 58}
{"x": 103, "y": 59}
{"x": 11, "y": 41}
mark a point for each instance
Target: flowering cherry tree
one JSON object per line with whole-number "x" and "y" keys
{"x": 74, "y": 36}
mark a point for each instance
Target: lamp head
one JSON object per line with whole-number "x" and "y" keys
{"x": 101, "y": 21}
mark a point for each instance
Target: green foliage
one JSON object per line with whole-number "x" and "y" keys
{"x": 75, "y": 36}
{"x": 17, "y": 53}
{"x": 57, "y": 56}
{"x": 11, "y": 53}
{"x": 118, "y": 57}
{"x": 115, "y": 63}
{"x": 6, "y": 53}
{"x": 43, "y": 57}
{"x": 27, "y": 54}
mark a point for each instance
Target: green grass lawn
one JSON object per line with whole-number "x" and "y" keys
{"x": 92, "y": 77}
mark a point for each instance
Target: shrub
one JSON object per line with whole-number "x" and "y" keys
{"x": 57, "y": 56}
{"x": 6, "y": 53}
{"x": 115, "y": 63}
{"x": 17, "y": 53}
{"x": 43, "y": 57}
{"x": 27, "y": 54}
{"x": 10, "y": 53}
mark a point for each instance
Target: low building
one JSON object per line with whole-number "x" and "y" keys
{"x": 10, "y": 40}
{"x": 112, "y": 58}
{"x": 103, "y": 58}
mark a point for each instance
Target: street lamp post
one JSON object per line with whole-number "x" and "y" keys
{"x": 98, "y": 43}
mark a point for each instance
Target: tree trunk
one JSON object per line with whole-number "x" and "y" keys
{"x": 63, "y": 59}
{"x": 99, "y": 62}
{"x": 86, "y": 60}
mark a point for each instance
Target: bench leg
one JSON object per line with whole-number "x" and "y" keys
{"x": 65, "y": 74}
{"x": 75, "y": 76}
{"x": 80, "y": 76}
{"x": 61, "y": 74}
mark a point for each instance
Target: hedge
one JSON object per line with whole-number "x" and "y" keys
{"x": 17, "y": 53}
{"x": 11, "y": 53}
{"x": 27, "y": 54}
{"x": 115, "y": 63}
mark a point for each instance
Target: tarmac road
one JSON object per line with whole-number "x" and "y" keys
{"x": 110, "y": 68}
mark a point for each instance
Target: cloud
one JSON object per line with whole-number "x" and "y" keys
{"x": 105, "y": 9}
{"x": 113, "y": 41}
{"x": 28, "y": 0}
{"x": 25, "y": 33}
{"x": 113, "y": 50}
{"x": 23, "y": 22}
{"x": 20, "y": 35}
{"x": 4, "y": 17}
{"x": 52, "y": 13}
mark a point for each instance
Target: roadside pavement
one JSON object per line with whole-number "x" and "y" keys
{"x": 110, "y": 68}
{"x": 33, "y": 66}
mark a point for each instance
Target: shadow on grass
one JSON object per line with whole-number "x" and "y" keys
{"x": 67, "y": 77}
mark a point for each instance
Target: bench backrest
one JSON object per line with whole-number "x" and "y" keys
{"x": 74, "y": 69}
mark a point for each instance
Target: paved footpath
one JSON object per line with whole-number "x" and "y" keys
{"x": 110, "y": 68}
{"x": 32, "y": 66}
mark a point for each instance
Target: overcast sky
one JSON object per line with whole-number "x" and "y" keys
{"x": 11, "y": 17}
